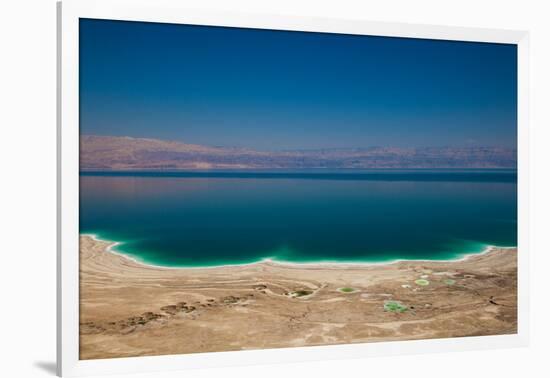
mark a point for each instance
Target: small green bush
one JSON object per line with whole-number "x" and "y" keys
{"x": 346, "y": 289}
{"x": 395, "y": 306}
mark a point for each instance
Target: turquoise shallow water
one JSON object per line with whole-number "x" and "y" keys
{"x": 214, "y": 218}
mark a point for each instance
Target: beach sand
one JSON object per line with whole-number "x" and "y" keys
{"x": 129, "y": 309}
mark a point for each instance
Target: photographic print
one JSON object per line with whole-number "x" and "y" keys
{"x": 253, "y": 189}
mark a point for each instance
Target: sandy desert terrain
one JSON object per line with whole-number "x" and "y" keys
{"x": 130, "y": 309}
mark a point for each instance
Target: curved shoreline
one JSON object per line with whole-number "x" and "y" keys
{"x": 288, "y": 264}
{"x": 129, "y": 309}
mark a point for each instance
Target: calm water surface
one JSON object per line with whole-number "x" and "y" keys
{"x": 217, "y": 218}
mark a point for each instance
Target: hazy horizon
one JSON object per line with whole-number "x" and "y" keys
{"x": 365, "y": 147}
{"x": 275, "y": 90}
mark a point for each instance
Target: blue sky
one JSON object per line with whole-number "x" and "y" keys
{"x": 276, "y": 90}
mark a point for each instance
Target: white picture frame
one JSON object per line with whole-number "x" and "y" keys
{"x": 166, "y": 11}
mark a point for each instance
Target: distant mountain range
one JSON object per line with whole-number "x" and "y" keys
{"x": 122, "y": 153}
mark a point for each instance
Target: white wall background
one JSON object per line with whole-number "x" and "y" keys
{"x": 27, "y": 186}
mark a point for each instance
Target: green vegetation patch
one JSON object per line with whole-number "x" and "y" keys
{"x": 422, "y": 282}
{"x": 449, "y": 282}
{"x": 346, "y": 290}
{"x": 395, "y": 306}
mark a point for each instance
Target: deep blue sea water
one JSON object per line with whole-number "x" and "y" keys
{"x": 224, "y": 217}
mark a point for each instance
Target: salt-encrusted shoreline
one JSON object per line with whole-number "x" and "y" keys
{"x": 305, "y": 265}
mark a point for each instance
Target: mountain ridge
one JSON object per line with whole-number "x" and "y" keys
{"x": 123, "y": 152}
